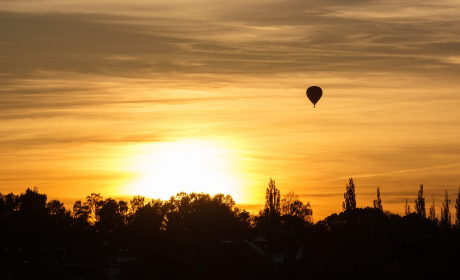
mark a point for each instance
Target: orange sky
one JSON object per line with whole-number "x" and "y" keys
{"x": 153, "y": 97}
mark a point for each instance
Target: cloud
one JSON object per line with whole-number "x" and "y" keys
{"x": 270, "y": 37}
{"x": 117, "y": 73}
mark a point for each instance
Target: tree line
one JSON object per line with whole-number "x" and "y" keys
{"x": 188, "y": 230}
{"x": 194, "y": 214}
{"x": 445, "y": 221}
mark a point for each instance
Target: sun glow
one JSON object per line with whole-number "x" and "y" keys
{"x": 167, "y": 168}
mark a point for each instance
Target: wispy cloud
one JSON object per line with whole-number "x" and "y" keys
{"x": 83, "y": 75}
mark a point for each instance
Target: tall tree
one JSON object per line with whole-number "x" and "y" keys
{"x": 244, "y": 218}
{"x": 111, "y": 215}
{"x": 445, "y": 213}
{"x": 457, "y": 208}
{"x": 57, "y": 211}
{"x": 150, "y": 217}
{"x": 136, "y": 203}
{"x": 123, "y": 210}
{"x": 81, "y": 214}
{"x": 350, "y": 197}
{"x": 420, "y": 203}
{"x": 378, "y": 201}
{"x": 94, "y": 202}
{"x": 272, "y": 200}
{"x": 287, "y": 203}
{"x": 8, "y": 204}
{"x": 432, "y": 216}
{"x": 407, "y": 209}
{"x": 293, "y": 206}
{"x": 32, "y": 204}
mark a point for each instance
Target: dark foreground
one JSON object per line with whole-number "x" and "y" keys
{"x": 196, "y": 236}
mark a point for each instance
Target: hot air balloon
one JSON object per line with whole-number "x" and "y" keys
{"x": 314, "y": 93}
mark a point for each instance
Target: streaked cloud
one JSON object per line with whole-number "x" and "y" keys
{"x": 81, "y": 81}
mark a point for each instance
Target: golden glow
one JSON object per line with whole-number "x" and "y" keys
{"x": 149, "y": 98}
{"x": 167, "y": 168}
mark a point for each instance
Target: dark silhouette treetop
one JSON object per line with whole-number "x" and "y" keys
{"x": 272, "y": 200}
{"x": 457, "y": 208}
{"x": 350, "y": 197}
{"x": 432, "y": 215}
{"x": 420, "y": 203}
{"x": 378, "y": 201}
{"x": 94, "y": 202}
{"x": 407, "y": 210}
{"x": 208, "y": 236}
{"x": 32, "y": 204}
{"x": 291, "y": 205}
{"x": 446, "y": 222}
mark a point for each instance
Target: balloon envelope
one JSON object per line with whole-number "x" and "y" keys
{"x": 314, "y": 93}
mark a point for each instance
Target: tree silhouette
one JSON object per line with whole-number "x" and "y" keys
{"x": 378, "y": 201}
{"x": 457, "y": 208}
{"x": 203, "y": 216}
{"x": 8, "y": 204}
{"x": 32, "y": 213}
{"x": 287, "y": 203}
{"x": 293, "y": 206}
{"x": 32, "y": 204}
{"x": 135, "y": 204}
{"x": 2, "y": 205}
{"x": 268, "y": 221}
{"x": 111, "y": 215}
{"x": 432, "y": 216}
{"x": 81, "y": 214}
{"x": 445, "y": 213}
{"x": 57, "y": 211}
{"x": 420, "y": 203}
{"x": 149, "y": 218}
{"x": 245, "y": 219}
{"x": 350, "y": 197}
{"x": 208, "y": 235}
{"x": 94, "y": 202}
{"x": 272, "y": 200}
{"x": 407, "y": 210}
{"x": 123, "y": 210}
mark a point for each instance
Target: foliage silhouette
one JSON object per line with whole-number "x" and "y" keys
{"x": 419, "y": 206}
{"x": 58, "y": 212}
{"x": 291, "y": 205}
{"x": 272, "y": 200}
{"x": 350, "y": 197}
{"x": 32, "y": 204}
{"x": 148, "y": 219}
{"x": 457, "y": 210}
{"x": 8, "y": 204}
{"x": 111, "y": 215}
{"x": 432, "y": 216}
{"x": 446, "y": 221}
{"x": 378, "y": 201}
{"x": 81, "y": 214}
{"x": 407, "y": 210}
{"x": 94, "y": 202}
{"x": 208, "y": 236}
{"x": 134, "y": 205}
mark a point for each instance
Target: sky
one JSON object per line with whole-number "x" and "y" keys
{"x": 152, "y": 98}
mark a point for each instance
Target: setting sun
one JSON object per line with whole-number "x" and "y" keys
{"x": 165, "y": 169}
{"x": 153, "y": 98}
{"x": 143, "y": 139}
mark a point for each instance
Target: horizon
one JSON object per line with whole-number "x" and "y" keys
{"x": 256, "y": 209}
{"x": 127, "y": 98}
